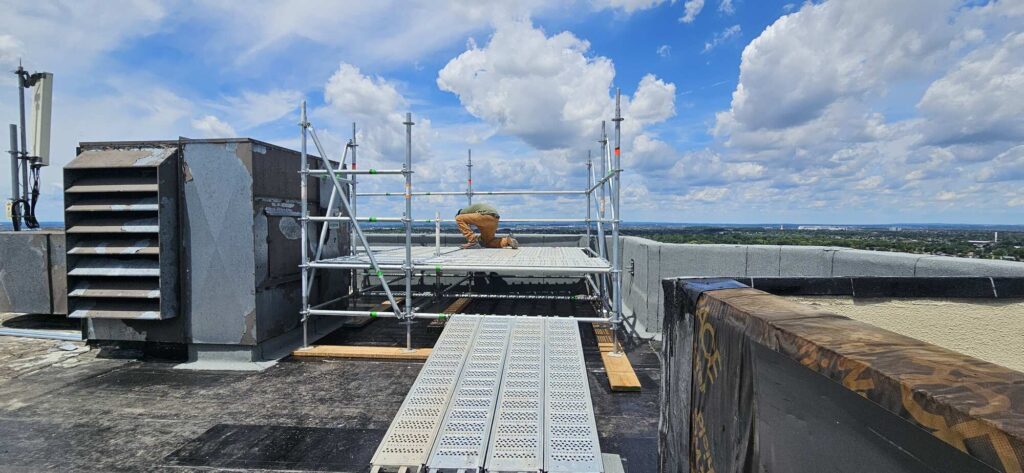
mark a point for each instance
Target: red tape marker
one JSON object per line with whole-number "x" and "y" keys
{"x": 616, "y": 151}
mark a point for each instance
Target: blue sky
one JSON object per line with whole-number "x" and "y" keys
{"x": 840, "y": 111}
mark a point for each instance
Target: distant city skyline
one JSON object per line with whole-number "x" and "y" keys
{"x": 835, "y": 112}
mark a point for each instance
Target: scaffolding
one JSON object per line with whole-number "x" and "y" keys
{"x": 600, "y": 264}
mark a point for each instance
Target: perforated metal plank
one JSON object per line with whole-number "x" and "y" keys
{"x": 516, "y": 443}
{"x": 408, "y": 441}
{"x": 570, "y": 433}
{"x": 462, "y": 441}
{"x": 524, "y": 257}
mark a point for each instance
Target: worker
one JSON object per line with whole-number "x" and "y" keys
{"x": 485, "y": 218}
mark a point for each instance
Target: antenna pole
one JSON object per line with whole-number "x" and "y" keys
{"x": 22, "y": 84}
{"x": 15, "y": 215}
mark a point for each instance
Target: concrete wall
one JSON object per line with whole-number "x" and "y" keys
{"x": 646, "y": 262}
{"x": 33, "y": 278}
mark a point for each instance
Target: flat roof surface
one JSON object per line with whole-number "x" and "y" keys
{"x": 76, "y": 411}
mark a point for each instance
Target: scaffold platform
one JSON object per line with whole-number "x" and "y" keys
{"x": 497, "y": 394}
{"x": 546, "y": 260}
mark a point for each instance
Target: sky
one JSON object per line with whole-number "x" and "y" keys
{"x": 735, "y": 111}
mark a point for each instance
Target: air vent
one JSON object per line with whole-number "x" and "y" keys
{"x": 122, "y": 233}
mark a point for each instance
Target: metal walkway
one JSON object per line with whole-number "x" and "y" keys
{"x": 548, "y": 260}
{"x": 498, "y": 394}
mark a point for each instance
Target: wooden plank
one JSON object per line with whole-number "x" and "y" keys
{"x": 621, "y": 376}
{"x": 458, "y": 305}
{"x": 366, "y": 353}
{"x": 604, "y": 337}
{"x": 452, "y": 309}
{"x": 356, "y": 322}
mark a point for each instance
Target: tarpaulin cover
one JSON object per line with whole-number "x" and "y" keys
{"x": 757, "y": 383}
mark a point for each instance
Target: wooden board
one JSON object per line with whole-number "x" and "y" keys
{"x": 356, "y": 322}
{"x": 366, "y": 353}
{"x": 452, "y": 309}
{"x": 621, "y": 376}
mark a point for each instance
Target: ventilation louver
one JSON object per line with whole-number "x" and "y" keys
{"x": 121, "y": 220}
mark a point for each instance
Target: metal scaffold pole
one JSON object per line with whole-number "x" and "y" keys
{"x": 407, "y": 266}
{"x": 602, "y": 250}
{"x": 355, "y": 205}
{"x": 303, "y": 196}
{"x": 469, "y": 181}
{"x": 616, "y": 219}
{"x": 590, "y": 182}
{"x": 355, "y": 225}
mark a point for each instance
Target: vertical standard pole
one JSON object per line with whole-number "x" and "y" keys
{"x": 469, "y": 182}
{"x": 15, "y": 218}
{"x": 437, "y": 233}
{"x": 407, "y": 170}
{"x": 601, "y": 243}
{"x": 616, "y": 219}
{"x": 303, "y": 195}
{"x": 352, "y": 237}
{"x": 590, "y": 183}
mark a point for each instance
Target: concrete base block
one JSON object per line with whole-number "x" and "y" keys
{"x": 223, "y": 358}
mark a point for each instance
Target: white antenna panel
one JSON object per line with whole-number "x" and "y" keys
{"x": 42, "y": 102}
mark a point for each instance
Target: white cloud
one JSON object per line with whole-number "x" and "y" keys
{"x": 653, "y": 102}
{"x": 979, "y": 99}
{"x": 825, "y": 53}
{"x": 708, "y": 194}
{"x": 726, "y": 7}
{"x": 548, "y": 90}
{"x": 664, "y": 50}
{"x": 10, "y": 50}
{"x": 721, "y": 37}
{"x": 83, "y": 29}
{"x": 704, "y": 168}
{"x": 378, "y": 109}
{"x": 379, "y": 32}
{"x": 691, "y": 9}
{"x": 1007, "y": 166}
{"x": 210, "y": 126}
{"x": 628, "y": 6}
{"x": 349, "y": 90}
{"x": 543, "y": 89}
{"x": 251, "y": 109}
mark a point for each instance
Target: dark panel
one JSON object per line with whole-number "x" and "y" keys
{"x": 797, "y": 408}
{"x": 274, "y": 447}
{"x": 771, "y": 377}
{"x": 923, "y": 287}
{"x": 804, "y": 286}
{"x": 1009, "y": 287}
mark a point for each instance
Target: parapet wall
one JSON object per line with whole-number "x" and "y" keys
{"x": 755, "y": 382}
{"x": 647, "y": 262}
